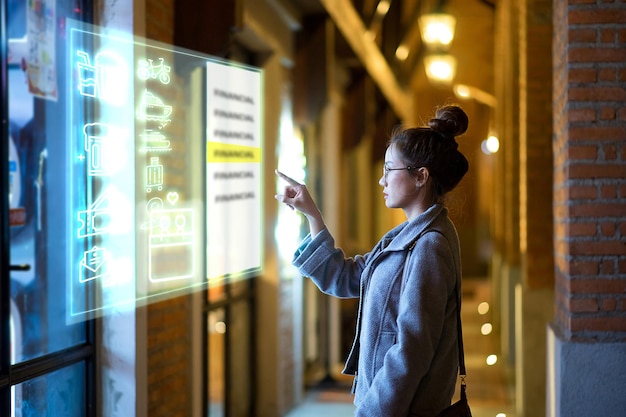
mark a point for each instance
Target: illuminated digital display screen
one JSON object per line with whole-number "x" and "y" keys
{"x": 164, "y": 170}
{"x": 233, "y": 169}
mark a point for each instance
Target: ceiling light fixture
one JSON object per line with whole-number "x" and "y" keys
{"x": 440, "y": 68}
{"x": 402, "y": 53}
{"x": 383, "y": 7}
{"x": 437, "y": 30}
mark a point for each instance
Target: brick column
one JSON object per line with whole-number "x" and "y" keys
{"x": 587, "y": 341}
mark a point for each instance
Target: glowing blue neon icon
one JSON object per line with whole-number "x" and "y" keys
{"x": 152, "y": 108}
{"x": 107, "y": 78}
{"x": 147, "y": 69}
{"x": 87, "y": 75}
{"x": 109, "y": 214}
{"x": 93, "y": 265}
{"x": 154, "y": 175}
{"x": 172, "y": 197}
{"x": 155, "y": 141}
{"x": 171, "y": 245}
{"x": 97, "y": 219}
{"x": 155, "y": 203}
{"x": 103, "y": 146}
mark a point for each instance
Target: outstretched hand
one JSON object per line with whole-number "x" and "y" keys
{"x": 297, "y": 197}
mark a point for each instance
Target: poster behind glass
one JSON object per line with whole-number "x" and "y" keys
{"x": 37, "y": 321}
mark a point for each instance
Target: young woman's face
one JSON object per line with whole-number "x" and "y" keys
{"x": 400, "y": 189}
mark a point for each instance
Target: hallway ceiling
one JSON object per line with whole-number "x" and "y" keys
{"x": 473, "y": 44}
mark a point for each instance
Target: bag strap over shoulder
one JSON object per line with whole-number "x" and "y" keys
{"x": 462, "y": 370}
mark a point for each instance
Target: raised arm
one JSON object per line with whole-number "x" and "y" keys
{"x": 297, "y": 197}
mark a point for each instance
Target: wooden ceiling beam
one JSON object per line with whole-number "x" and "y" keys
{"x": 349, "y": 23}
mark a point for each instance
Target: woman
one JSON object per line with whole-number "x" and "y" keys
{"x": 404, "y": 356}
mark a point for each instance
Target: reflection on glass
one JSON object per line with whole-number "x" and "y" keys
{"x": 61, "y": 393}
{"x": 239, "y": 360}
{"x": 240, "y": 287}
{"x": 216, "y": 291}
{"x": 216, "y": 330}
{"x": 37, "y": 295}
{"x": 144, "y": 121}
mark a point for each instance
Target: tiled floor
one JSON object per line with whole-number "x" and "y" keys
{"x": 325, "y": 404}
{"x": 490, "y": 389}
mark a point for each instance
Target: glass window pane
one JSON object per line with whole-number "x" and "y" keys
{"x": 239, "y": 357}
{"x": 240, "y": 286}
{"x": 216, "y": 361}
{"x": 38, "y": 291}
{"x": 216, "y": 291}
{"x": 61, "y": 393}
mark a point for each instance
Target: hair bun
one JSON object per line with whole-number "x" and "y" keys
{"x": 449, "y": 121}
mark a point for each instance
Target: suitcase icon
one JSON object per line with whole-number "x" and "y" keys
{"x": 154, "y": 175}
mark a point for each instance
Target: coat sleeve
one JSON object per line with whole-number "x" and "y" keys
{"x": 327, "y": 266}
{"x": 428, "y": 284}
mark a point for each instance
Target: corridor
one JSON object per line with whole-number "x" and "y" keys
{"x": 490, "y": 388}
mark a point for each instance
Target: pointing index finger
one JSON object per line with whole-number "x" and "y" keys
{"x": 290, "y": 180}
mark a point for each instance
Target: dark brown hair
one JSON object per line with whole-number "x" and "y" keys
{"x": 435, "y": 147}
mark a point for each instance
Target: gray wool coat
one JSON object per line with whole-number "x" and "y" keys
{"x": 405, "y": 353}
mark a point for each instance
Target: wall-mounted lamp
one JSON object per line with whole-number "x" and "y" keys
{"x": 402, "y": 52}
{"x": 490, "y": 145}
{"x": 464, "y": 91}
{"x": 440, "y": 68}
{"x": 437, "y": 30}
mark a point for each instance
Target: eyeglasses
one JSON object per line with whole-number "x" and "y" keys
{"x": 386, "y": 170}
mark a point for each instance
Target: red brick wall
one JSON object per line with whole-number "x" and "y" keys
{"x": 169, "y": 365}
{"x": 589, "y": 94}
{"x": 169, "y": 340}
{"x": 160, "y": 20}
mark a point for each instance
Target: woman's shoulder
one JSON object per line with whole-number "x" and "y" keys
{"x": 439, "y": 231}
